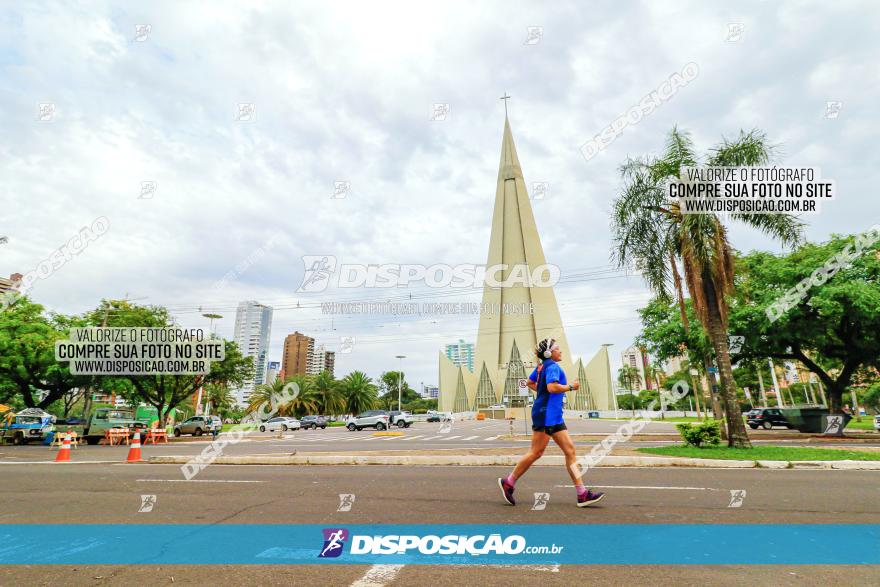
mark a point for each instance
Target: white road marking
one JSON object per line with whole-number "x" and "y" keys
{"x": 203, "y": 480}
{"x": 413, "y": 437}
{"x": 493, "y": 437}
{"x": 431, "y": 437}
{"x": 378, "y": 575}
{"x": 451, "y": 437}
{"x": 470, "y": 438}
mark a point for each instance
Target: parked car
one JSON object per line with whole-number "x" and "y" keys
{"x": 767, "y": 418}
{"x": 198, "y": 425}
{"x": 283, "y": 423}
{"x": 441, "y": 417}
{"x": 877, "y": 422}
{"x": 377, "y": 419}
{"x": 313, "y": 422}
{"x": 402, "y": 419}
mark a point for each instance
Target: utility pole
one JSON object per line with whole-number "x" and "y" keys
{"x": 780, "y": 401}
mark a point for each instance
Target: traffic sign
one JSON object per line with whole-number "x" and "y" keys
{"x": 523, "y": 388}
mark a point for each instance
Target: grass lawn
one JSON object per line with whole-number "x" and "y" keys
{"x": 626, "y": 415}
{"x": 867, "y": 423}
{"x": 763, "y": 453}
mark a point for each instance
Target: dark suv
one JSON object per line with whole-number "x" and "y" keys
{"x": 767, "y": 418}
{"x": 313, "y": 422}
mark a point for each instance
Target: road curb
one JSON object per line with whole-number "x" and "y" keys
{"x": 510, "y": 460}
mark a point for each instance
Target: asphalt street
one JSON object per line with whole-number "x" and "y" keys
{"x": 421, "y": 436}
{"x": 112, "y": 494}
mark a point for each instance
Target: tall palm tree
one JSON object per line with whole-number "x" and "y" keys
{"x": 653, "y": 235}
{"x": 628, "y": 377}
{"x": 359, "y": 392}
{"x": 306, "y": 400}
{"x": 327, "y": 389}
{"x": 219, "y": 397}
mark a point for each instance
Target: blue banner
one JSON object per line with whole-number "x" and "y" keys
{"x": 582, "y": 544}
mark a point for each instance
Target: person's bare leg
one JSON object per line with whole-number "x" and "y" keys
{"x": 563, "y": 441}
{"x": 536, "y": 450}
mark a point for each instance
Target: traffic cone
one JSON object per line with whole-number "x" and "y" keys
{"x": 64, "y": 454}
{"x": 134, "y": 453}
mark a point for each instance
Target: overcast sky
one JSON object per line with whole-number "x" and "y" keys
{"x": 344, "y": 92}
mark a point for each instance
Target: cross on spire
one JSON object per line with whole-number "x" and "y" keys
{"x": 505, "y": 97}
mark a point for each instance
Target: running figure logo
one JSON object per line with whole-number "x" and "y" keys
{"x": 334, "y": 542}
{"x": 835, "y": 425}
{"x": 737, "y": 497}
{"x": 318, "y": 269}
{"x": 147, "y": 503}
{"x": 346, "y": 500}
{"x": 541, "y": 500}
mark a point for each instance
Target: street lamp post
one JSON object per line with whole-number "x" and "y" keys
{"x": 399, "y": 381}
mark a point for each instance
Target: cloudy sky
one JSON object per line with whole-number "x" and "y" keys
{"x": 345, "y": 92}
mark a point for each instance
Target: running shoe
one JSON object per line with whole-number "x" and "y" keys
{"x": 506, "y": 490}
{"x": 589, "y": 498}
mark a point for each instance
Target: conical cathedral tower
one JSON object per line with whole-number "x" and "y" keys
{"x": 516, "y": 316}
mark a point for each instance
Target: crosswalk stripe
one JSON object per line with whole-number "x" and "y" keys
{"x": 451, "y": 437}
{"x": 413, "y": 437}
{"x": 492, "y": 438}
{"x": 431, "y": 438}
{"x": 470, "y": 438}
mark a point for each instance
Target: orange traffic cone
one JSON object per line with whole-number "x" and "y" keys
{"x": 64, "y": 454}
{"x": 134, "y": 453}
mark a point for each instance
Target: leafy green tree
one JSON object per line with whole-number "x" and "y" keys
{"x": 28, "y": 367}
{"x": 833, "y": 330}
{"x": 359, "y": 392}
{"x": 388, "y": 392}
{"x": 870, "y": 398}
{"x": 653, "y": 235}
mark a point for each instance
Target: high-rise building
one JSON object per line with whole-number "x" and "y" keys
{"x": 524, "y": 313}
{"x": 297, "y": 349}
{"x": 272, "y": 372}
{"x": 320, "y": 359}
{"x": 253, "y": 328}
{"x": 638, "y": 359}
{"x": 11, "y": 283}
{"x": 461, "y": 353}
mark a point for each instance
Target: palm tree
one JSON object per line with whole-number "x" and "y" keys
{"x": 327, "y": 389}
{"x": 653, "y": 235}
{"x": 264, "y": 396}
{"x": 628, "y": 377}
{"x": 359, "y": 392}
{"x": 306, "y": 400}
{"x": 219, "y": 397}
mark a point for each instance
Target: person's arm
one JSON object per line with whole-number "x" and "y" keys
{"x": 558, "y": 388}
{"x": 532, "y": 383}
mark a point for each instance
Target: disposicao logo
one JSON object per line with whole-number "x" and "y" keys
{"x": 334, "y": 542}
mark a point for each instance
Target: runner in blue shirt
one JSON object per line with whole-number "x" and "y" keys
{"x": 549, "y": 380}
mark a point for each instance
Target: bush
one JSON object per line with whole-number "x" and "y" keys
{"x": 700, "y": 434}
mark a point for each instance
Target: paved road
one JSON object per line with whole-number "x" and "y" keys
{"x": 421, "y": 436}
{"x": 398, "y": 495}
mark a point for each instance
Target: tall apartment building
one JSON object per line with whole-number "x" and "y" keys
{"x": 302, "y": 357}
{"x": 297, "y": 349}
{"x": 461, "y": 353}
{"x": 253, "y": 328}
{"x": 320, "y": 359}
{"x": 634, "y": 357}
{"x": 11, "y": 283}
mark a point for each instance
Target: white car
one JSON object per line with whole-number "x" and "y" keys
{"x": 877, "y": 422}
{"x": 282, "y": 423}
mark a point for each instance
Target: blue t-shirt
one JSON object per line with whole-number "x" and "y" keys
{"x": 547, "y": 409}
